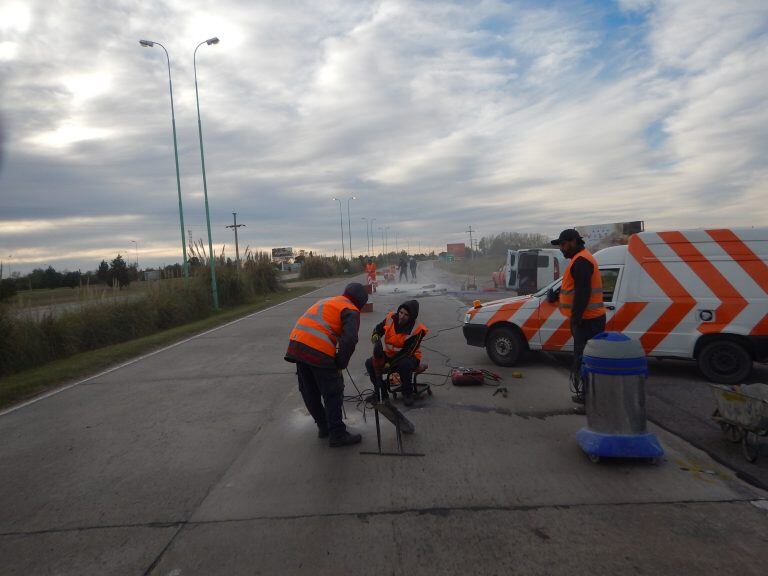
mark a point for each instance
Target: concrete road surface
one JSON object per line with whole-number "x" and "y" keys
{"x": 201, "y": 459}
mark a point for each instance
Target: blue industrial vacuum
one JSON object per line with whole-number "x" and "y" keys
{"x": 615, "y": 369}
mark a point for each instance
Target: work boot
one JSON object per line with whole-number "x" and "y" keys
{"x": 345, "y": 439}
{"x": 322, "y": 432}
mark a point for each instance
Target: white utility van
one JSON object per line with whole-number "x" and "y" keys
{"x": 695, "y": 294}
{"x": 527, "y": 271}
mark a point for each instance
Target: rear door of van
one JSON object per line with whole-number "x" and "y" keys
{"x": 512, "y": 269}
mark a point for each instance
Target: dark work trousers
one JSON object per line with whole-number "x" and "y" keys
{"x": 323, "y": 393}
{"x": 403, "y": 272}
{"x": 404, "y": 368}
{"x": 582, "y": 333}
{"x": 413, "y": 273}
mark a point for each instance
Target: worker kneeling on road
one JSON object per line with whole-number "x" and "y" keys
{"x": 581, "y": 300}
{"x": 397, "y": 340}
{"x": 321, "y": 344}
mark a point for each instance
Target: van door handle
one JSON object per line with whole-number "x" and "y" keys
{"x": 611, "y": 307}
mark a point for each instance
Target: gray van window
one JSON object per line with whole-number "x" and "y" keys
{"x": 542, "y": 261}
{"x": 512, "y": 259}
{"x": 609, "y": 277}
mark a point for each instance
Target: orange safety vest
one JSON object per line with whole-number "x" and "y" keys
{"x": 320, "y": 326}
{"x": 393, "y": 342}
{"x": 595, "y": 306}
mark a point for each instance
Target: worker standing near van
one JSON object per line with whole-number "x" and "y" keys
{"x": 581, "y": 300}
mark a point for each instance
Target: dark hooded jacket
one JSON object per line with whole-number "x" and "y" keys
{"x": 350, "y": 320}
{"x": 413, "y": 310}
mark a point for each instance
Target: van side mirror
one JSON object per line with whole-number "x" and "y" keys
{"x": 553, "y": 295}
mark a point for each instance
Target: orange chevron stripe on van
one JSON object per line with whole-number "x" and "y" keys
{"x": 536, "y": 321}
{"x": 739, "y": 251}
{"x": 560, "y": 336}
{"x": 505, "y": 312}
{"x": 731, "y": 301}
{"x": 761, "y": 328}
{"x": 624, "y": 316}
{"x": 682, "y": 301}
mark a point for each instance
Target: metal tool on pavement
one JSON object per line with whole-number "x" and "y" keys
{"x": 500, "y": 390}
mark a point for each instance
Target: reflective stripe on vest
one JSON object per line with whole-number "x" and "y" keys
{"x": 595, "y": 306}
{"x": 320, "y": 326}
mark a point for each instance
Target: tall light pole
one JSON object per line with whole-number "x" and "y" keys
{"x": 386, "y": 241}
{"x": 136, "y": 246}
{"x": 214, "y": 288}
{"x": 367, "y": 236}
{"x": 185, "y": 264}
{"x": 349, "y": 227}
{"x": 382, "y": 240}
{"x": 341, "y": 223}
{"x": 373, "y": 248}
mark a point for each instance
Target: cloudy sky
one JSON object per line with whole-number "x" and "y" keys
{"x": 507, "y": 116}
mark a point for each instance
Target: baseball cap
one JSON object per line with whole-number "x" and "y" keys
{"x": 567, "y": 234}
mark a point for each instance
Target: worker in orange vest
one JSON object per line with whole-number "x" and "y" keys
{"x": 370, "y": 270}
{"x": 321, "y": 344}
{"x": 397, "y": 340}
{"x": 581, "y": 300}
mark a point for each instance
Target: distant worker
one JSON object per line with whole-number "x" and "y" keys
{"x": 412, "y": 263}
{"x": 403, "y": 267}
{"x": 397, "y": 347}
{"x": 370, "y": 270}
{"x": 581, "y": 300}
{"x": 321, "y": 344}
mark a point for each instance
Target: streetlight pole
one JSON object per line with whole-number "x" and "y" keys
{"x": 341, "y": 223}
{"x": 367, "y": 236}
{"x": 373, "y": 239}
{"x": 386, "y": 241}
{"x": 214, "y": 289}
{"x": 185, "y": 264}
{"x": 382, "y": 240}
{"x": 349, "y": 227}
{"x": 136, "y": 246}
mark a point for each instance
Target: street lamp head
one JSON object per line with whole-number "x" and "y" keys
{"x": 213, "y": 40}
{"x": 354, "y": 197}
{"x": 146, "y": 43}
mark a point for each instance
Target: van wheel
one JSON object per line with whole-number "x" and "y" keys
{"x": 504, "y": 346}
{"x": 725, "y": 362}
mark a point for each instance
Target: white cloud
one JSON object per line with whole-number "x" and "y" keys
{"x": 15, "y": 17}
{"x": 67, "y": 134}
{"x": 8, "y": 50}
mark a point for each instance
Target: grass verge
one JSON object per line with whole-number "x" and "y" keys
{"x": 24, "y": 385}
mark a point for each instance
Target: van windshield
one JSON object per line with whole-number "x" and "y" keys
{"x": 546, "y": 288}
